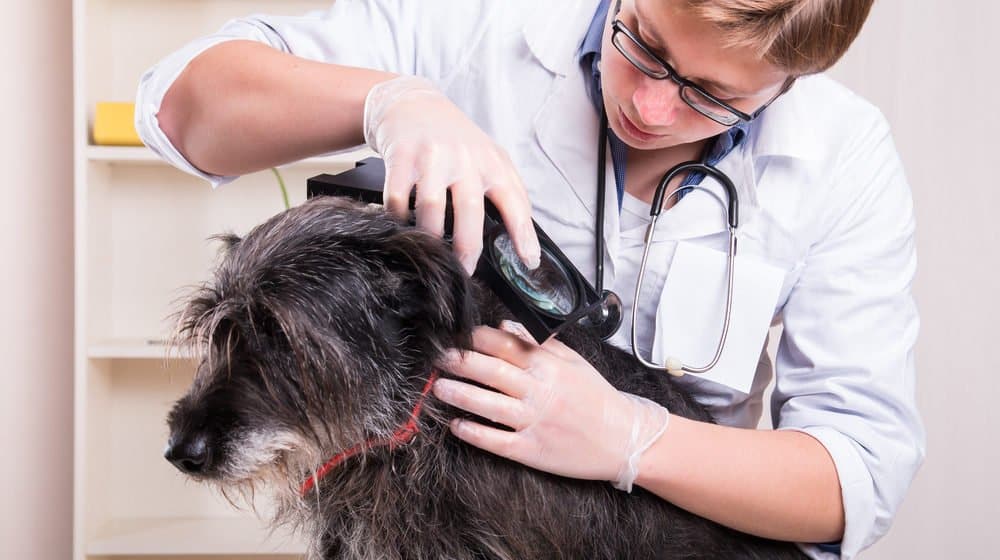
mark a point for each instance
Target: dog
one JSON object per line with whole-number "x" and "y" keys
{"x": 317, "y": 338}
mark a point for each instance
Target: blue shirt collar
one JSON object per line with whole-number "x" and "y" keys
{"x": 590, "y": 54}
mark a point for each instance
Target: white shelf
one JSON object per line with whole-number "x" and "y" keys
{"x": 136, "y": 349}
{"x": 142, "y": 242}
{"x": 191, "y": 537}
{"x": 141, "y": 155}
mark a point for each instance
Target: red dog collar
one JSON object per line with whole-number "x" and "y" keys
{"x": 401, "y": 436}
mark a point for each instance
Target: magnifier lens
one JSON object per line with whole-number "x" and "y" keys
{"x": 605, "y": 318}
{"x": 548, "y": 288}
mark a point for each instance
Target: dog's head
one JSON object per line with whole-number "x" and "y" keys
{"x": 319, "y": 325}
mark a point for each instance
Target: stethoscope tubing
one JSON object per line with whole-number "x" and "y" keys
{"x": 672, "y": 365}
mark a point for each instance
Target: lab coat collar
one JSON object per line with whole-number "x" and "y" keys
{"x": 567, "y": 116}
{"x": 567, "y": 130}
{"x": 547, "y": 38}
{"x": 784, "y": 127}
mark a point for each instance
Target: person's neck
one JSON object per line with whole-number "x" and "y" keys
{"x": 646, "y": 167}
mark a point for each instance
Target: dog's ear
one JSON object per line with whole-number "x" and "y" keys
{"x": 439, "y": 299}
{"x": 229, "y": 241}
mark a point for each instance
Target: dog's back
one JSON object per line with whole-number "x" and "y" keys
{"x": 440, "y": 498}
{"x": 320, "y": 331}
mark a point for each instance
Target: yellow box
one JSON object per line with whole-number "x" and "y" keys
{"x": 114, "y": 124}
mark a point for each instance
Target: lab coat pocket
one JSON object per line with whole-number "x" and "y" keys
{"x": 692, "y": 308}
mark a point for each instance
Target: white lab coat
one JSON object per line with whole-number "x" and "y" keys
{"x": 823, "y": 200}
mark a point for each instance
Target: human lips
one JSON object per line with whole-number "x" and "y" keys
{"x": 635, "y": 131}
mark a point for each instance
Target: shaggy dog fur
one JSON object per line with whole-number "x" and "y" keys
{"x": 318, "y": 332}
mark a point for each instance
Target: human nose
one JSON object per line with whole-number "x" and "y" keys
{"x": 657, "y": 101}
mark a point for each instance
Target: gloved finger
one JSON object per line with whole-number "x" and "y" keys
{"x": 494, "y": 406}
{"x": 487, "y": 370}
{"x": 511, "y": 199}
{"x": 560, "y": 350}
{"x": 503, "y": 345}
{"x": 432, "y": 194}
{"x": 469, "y": 213}
{"x": 518, "y": 330}
{"x": 400, "y": 176}
{"x": 499, "y": 442}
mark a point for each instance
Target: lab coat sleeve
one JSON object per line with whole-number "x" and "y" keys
{"x": 845, "y": 365}
{"x": 430, "y": 38}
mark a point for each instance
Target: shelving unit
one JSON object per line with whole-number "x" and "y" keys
{"x": 142, "y": 232}
{"x": 129, "y": 155}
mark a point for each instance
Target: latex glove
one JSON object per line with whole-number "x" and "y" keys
{"x": 427, "y": 141}
{"x": 568, "y": 419}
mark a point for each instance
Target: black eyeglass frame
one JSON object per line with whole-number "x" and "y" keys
{"x": 618, "y": 27}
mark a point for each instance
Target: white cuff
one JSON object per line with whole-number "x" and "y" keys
{"x": 857, "y": 491}
{"x": 153, "y": 86}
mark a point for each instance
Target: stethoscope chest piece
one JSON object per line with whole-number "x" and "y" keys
{"x": 605, "y": 318}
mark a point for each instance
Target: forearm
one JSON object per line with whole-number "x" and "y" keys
{"x": 242, "y": 106}
{"x": 775, "y": 484}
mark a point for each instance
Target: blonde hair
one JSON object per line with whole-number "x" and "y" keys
{"x": 798, "y": 36}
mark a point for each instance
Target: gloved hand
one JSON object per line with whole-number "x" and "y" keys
{"x": 568, "y": 419}
{"x": 427, "y": 141}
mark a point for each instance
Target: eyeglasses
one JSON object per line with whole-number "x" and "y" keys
{"x": 642, "y": 57}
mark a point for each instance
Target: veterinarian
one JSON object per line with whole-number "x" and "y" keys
{"x": 505, "y": 99}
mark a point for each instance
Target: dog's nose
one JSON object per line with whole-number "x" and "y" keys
{"x": 191, "y": 454}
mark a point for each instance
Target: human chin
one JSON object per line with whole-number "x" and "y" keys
{"x": 623, "y": 131}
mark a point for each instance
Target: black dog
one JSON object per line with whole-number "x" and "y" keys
{"x": 319, "y": 334}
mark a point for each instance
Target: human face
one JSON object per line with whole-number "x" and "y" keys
{"x": 648, "y": 113}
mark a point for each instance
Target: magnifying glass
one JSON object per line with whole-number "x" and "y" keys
{"x": 552, "y": 295}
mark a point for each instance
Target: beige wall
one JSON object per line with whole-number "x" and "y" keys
{"x": 932, "y": 69}
{"x": 36, "y": 281}
{"x": 932, "y": 66}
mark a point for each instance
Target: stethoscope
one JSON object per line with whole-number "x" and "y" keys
{"x": 672, "y": 365}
